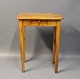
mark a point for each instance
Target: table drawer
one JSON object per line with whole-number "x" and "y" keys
{"x": 39, "y": 23}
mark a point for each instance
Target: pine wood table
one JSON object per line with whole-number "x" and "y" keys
{"x": 40, "y": 19}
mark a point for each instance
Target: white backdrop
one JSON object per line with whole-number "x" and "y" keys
{"x": 70, "y": 29}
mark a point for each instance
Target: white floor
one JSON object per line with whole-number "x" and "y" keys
{"x": 38, "y": 63}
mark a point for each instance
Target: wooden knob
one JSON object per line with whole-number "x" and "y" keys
{"x": 39, "y": 21}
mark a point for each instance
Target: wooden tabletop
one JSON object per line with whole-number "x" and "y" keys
{"x": 40, "y": 16}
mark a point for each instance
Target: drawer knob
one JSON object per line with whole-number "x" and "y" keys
{"x": 39, "y": 21}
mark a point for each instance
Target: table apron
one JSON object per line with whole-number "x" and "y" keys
{"x": 39, "y": 23}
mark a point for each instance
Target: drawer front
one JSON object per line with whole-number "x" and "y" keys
{"x": 39, "y": 23}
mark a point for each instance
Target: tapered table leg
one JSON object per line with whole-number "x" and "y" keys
{"x": 21, "y": 31}
{"x": 24, "y": 41}
{"x": 54, "y": 45}
{"x": 57, "y": 45}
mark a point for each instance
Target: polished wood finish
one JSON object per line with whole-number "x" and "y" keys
{"x": 21, "y": 30}
{"x": 54, "y": 45}
{"x": 40, "y": 19}
{"x": 39, "y": 16}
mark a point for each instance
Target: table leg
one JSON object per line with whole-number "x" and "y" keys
{"x": 57, "y": 46}
{"x": 54, "y": 45}
{"x": 24, "y": 42}
{"x": 21, "y": 31}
